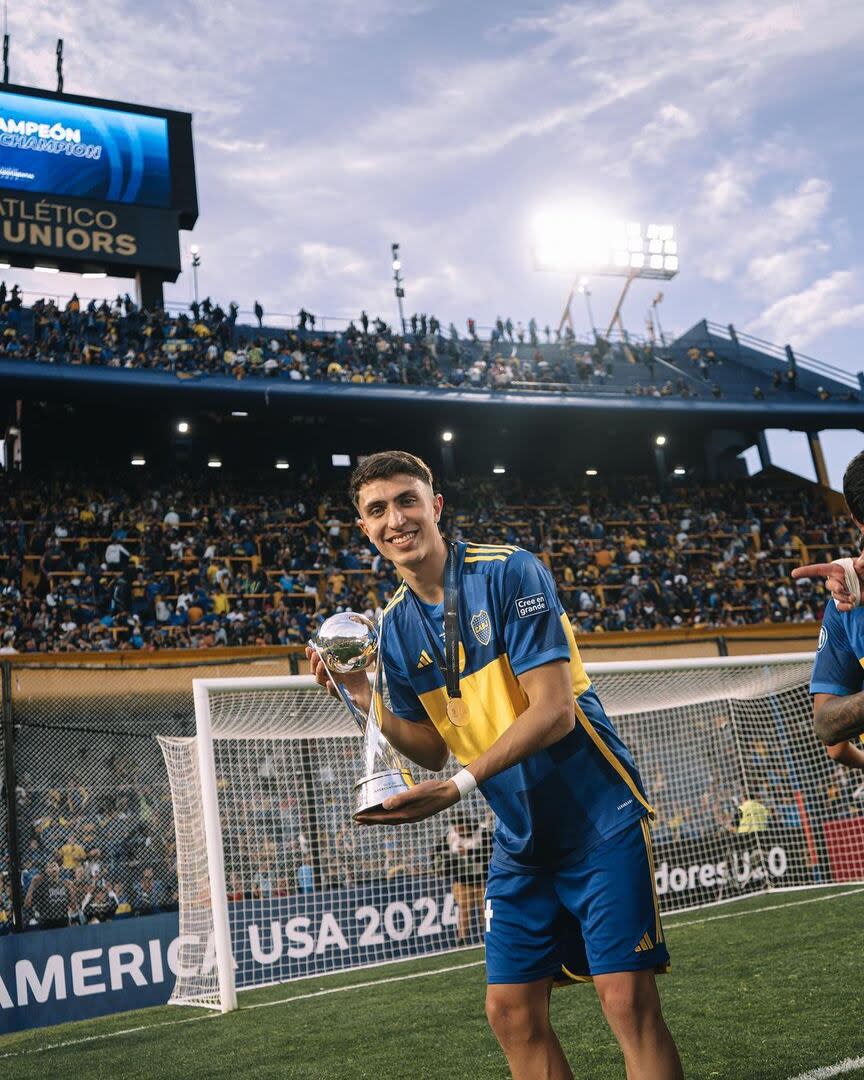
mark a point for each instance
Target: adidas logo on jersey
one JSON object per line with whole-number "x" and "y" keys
{"x": 645, "y": 945}
{"x": 424, "y": 661}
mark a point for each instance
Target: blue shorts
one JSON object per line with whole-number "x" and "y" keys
{"x": 596, "y": 917}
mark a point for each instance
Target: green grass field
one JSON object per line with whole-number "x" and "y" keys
{"x": 766, "y": 989}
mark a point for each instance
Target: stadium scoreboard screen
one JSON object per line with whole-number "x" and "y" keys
{"x": 93, "y": 185}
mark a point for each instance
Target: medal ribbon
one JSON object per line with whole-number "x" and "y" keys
{"x": 451, "y": 625}
{"x": 448, "y": 663}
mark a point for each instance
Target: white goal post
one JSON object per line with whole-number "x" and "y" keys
{"x": 276, "y": 882}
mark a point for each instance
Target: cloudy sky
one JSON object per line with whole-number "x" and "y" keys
{"x": 326, "y": 131}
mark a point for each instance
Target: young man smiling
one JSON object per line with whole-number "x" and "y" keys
{"x": 481, "y": 662}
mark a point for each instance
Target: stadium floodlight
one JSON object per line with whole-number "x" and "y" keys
{"x": 47, "y": 269}
{"x": 138, "y": 460}
{"x": 679, "y": 470}
{"x": 340, "y": 461}
{"x": 590, "y": 472}
{"x": 195, "y": 252}
{"x": 183, "y": 426}
{"x": 214, "y": 463}
{"x": 398, "y": 283}
{"x": 499, "y": 470}
{"x": 94, "y": 274}
{"x": 583, "y": 242}
{"x": 446, "y": 436}
{"x": 239, "y": 412}
{"x": 282, "y": 465}
{"x": 660, "y": 440}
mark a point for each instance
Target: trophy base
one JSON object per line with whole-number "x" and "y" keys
{"x": 371, "y": 791}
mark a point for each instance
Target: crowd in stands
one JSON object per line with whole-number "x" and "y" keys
{"x": 94, "y": 818}
{"x": 92, "y": 858}
{"x": 208, "y": 341}
{"x": 86, "y": 569}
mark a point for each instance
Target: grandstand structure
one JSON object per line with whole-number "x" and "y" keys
{"x": 213, "y": 454}
{"x": 712, "y": 391}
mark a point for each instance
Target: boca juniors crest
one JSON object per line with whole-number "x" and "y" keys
{"x": 482, "y": 627}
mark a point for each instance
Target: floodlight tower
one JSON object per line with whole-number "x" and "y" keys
{"x": 589, "y": 247}
{"x": 397, "y": 280}
{"x": 196, "y": 262}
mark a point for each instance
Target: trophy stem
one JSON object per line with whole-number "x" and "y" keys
{"x": 347, "y": 640}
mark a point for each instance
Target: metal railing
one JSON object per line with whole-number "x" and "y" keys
{"x": 281, "y": 320}
{"x": 802, "y": 360}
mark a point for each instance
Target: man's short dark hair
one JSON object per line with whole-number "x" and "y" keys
{"x": 384, "y": 466}
{"x": 853, "y": 487}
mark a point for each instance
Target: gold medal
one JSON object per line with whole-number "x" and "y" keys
{"x": 457, "y": 712}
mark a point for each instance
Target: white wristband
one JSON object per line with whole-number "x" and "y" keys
{"x": 853, "y": 582}
{"x": 464, "y": 781}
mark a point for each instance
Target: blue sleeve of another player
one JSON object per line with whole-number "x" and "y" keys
{"x": 404, "y": 701}
{"x": 836, "y": 669}
{"x": 530, "y": 611}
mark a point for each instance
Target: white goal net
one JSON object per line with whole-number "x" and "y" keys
{"x": 273, "y": 872}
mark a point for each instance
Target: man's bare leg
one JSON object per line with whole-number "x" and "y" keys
{"x": 519, "y": 1016}
{"x": 631, "y": 1005}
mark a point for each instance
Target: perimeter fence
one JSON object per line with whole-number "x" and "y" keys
{"x": 83, "y": 783}
{"x": 84, "y": 786}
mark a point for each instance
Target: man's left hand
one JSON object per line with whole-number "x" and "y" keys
{"x": 419, "y": 802}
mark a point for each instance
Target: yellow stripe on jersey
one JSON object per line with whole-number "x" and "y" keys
{"x": 487, "y": 558}
{"x": 494, "y": 699}
{"x": 597, "y": 739}
{"x": 578, "y": 675}
{"x": 646, "y": 834}
{"x": 397, "y": 596}
{"x": 490, "y": 547}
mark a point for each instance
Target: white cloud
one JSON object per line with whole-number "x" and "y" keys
{"x": 726, "y": 188}
{"x": 647, "y": 108}
{"x": 671, "y": 125}
{"x": 829, "y": 303}
{"x": 777, "y": 273}
{"x": 743, "y": 235}
{"x": 801, "y": 211}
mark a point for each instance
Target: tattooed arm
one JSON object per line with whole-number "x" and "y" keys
{"x": 837, "y": 719}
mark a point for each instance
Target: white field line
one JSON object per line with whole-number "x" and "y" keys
{"x": 758, "y": 911}
{"x": 107, "y": 1035}
{"x": 364, "y": 985}
{"x": 215, "y": 1015}
{"x": 825, "y": 1072}
{"x": 402, "y": 978}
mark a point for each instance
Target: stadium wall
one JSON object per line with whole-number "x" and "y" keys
{"x": 620, "y": 645}
{"x": 686, "y": 643}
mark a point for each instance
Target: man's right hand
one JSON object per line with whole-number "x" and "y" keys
{"x": 356, "y": 683}
{"x": 835, "y": 580}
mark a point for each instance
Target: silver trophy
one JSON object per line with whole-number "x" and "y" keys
{"x": 348, "y": 642}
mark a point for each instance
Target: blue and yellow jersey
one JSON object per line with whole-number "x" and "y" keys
{"x": 556, "y": 805}
{"x": 838, "y": 668}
